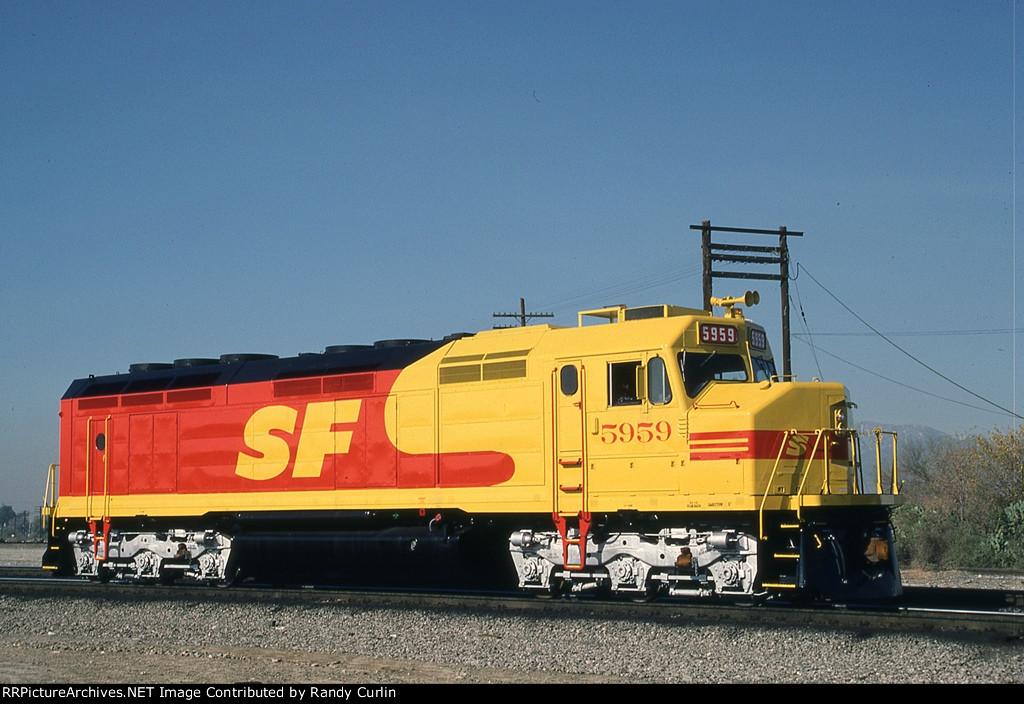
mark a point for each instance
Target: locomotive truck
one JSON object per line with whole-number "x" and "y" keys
{"x": 647, "y": 450}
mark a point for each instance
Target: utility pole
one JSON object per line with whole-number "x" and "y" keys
{"x": 522, "y": 315}
{"x": 752, "y": 254}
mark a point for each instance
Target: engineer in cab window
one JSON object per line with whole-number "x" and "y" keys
{"x": 623, "y": 384}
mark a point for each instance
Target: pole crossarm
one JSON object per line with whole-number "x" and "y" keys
{"x": 745, "y": 275}
{"x": 745, "y": 230}
{"x": 744, "y": 248}
{"x": 750, "y": 260}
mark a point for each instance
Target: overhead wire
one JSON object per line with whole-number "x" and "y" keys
{"x": 926, "y": 333}
{"x": 803, "y": 320}
{"x": 611, "y": 292}
{"x": 900, "y": 383}
{"x": 615, "y": 290}
{"x": 905, "y": 352}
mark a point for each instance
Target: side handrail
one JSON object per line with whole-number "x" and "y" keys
{"x": 855, "y": 461}
{"x": 49, "y": 497}
{"x": 895, "y": 485}
{"x": 810, "y": 461}
{"x": 771, "y": 478}
{"x": 858, "y": 467}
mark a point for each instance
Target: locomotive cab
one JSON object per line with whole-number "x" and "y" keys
{"x": 698, "y": 470}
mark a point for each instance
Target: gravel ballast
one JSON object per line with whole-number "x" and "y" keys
{"x": 81, "y": 640}
{"x": 84, "y": 640}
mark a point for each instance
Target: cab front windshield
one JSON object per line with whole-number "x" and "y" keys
{"x": 763, "y": 368}
{"x": 700, "y": 368}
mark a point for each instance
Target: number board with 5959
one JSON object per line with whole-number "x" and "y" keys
{"x": 714, "y": 334}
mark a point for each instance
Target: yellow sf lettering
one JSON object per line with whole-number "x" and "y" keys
{"x": 317, "y": 439}
{"x": 272, "y": 451}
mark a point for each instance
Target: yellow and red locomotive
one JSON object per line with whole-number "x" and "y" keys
{"x": 654, "y": 451}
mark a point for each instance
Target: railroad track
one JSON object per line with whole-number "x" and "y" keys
{"x": 962, "y": 613}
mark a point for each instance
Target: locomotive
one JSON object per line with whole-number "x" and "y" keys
{"x": 647, "y": 450}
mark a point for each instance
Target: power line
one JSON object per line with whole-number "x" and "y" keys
{"x": 894, "y": 381}
{"x": 616, "y": 289}
{"x": 908, "y": 354}
{"x": 923, "y": 333}
{"x": 803, "y": 319}
{"x": 620, "y": 287}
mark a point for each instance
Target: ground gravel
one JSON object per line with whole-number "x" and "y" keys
{"x": 91, "y": 641}
{"x": 82, "y": 640}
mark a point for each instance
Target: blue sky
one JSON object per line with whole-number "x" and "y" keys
{"x": 191, "y": 179}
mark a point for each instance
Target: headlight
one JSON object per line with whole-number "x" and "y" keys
{"x": 840, "y": 417}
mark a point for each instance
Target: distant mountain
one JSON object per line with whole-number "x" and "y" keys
{"x": 916, "y": 434}
{"x": 912, "y": 441}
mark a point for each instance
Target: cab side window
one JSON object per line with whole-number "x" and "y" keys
{"x": 569, "y": 380}
{"x": 658, "y": 390}
{"x": 622, "y": 384}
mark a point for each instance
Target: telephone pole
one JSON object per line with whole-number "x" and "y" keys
{"x": 750, "y": 254}
{"x": 522, "y": 315}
